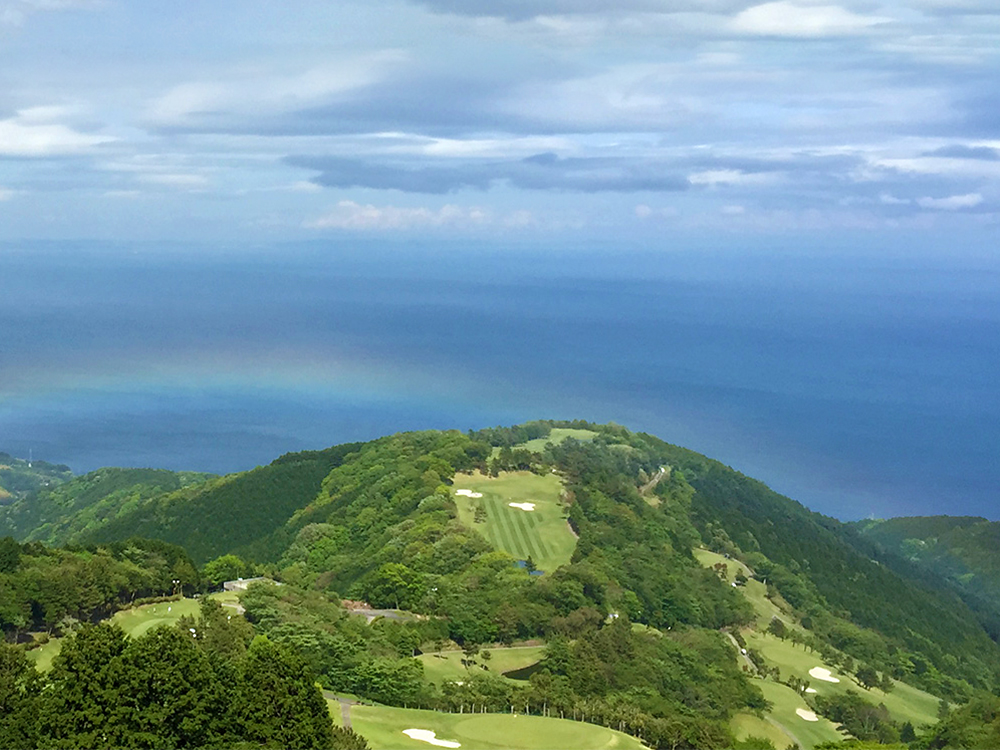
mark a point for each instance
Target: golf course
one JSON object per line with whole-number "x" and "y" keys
{"x": 384, "y": 729}
{"x": 447, "y": 665}
{"x": 521, "y": 513}
{"x": 134, "y": 621}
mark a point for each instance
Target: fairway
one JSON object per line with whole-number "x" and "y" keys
{"x": 753, "y": 591}
{"x": 555, "y": 437}
{"x": 905, "y": 702}
{"x": 134, "y": 622}
{"x": 448, "y": 664}
{"x": 749, "y": 725}
{"x": 383, "y": 728}
{"x": 784, "y": 702}
{"x": 542, "y": 533}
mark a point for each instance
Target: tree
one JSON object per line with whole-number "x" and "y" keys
{"x": 277, "y": 701}
{"x": 10, "y": 555}
{"x": 222, "y": 569}
{"x": 394, "y": 585}
{"x": 777, "y": 628}
{"x": 20, "y": 687}
{"x": 867, "y": 676}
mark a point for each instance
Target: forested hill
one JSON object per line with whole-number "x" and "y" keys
{"x": 60, "y": 512}
{"x": 446, "y": 524}
{"x": 964, "y": 550}
{"x": 19, "y": 478}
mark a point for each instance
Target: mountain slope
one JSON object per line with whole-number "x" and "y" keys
{"x": 59, "y": 514}
{"x": 230, "y": 513}
{"x": 18, "y": 477}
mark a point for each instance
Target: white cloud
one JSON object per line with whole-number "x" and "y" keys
{"x": 783, "y": 18}
{"x": 951, "y": 203}
{"x": 269, "y": 93}
{"x": 352, "y": 215}
{"x": 27, "y": 135}
{"x": 6, "y": 194}
{"x": 714, "y": 177}
{"x": 177, "y": 179}
{"x": 733, "y": 210}
{"x": 890, "y": 200}
{"x": 14, "y": 12}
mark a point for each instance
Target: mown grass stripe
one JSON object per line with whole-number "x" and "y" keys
{"x": 525, "y": 534}
{"x": 505, "y": 540}
{"x": 507, "y": 522}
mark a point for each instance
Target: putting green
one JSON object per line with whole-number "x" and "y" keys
{"x": 542, "y": 533}
{"x": 383, "y": 728}
{"x": 134, "y": 622}
{"x": 447, "y": 665}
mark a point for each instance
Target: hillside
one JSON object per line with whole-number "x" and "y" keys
{"x": 19, "y": 478}
{"x": 659, "y": 566}
{"x": 59, "y": 513}
{"x": 964, "y": 550}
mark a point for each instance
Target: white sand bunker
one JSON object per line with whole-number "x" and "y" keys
{"x": 822, "y": 674}
{"x": 468, "y": 493}
{"x": 810, "y": 690}
{"x": 807, "y": 715}
{"x": 522, "y": 506}
{"x": 425, "y": 735}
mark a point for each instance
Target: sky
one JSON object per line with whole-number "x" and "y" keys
{"x": 535, "y": 120}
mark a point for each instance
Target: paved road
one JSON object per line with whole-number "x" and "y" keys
{"x": 345, "y": 706}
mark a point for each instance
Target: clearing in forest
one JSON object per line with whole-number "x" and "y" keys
{"x": 447, "y": 665}
{"x": 542, "y": 533}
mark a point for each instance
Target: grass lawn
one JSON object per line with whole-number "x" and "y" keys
{"x": 749, "y": 725}
{"x": 905, "y": 703}
{"x": 383, "y": 728}
{"x": 555, "y": 437}
{"x": 542, "y": 533}
{"x": 754, "y": 591}
{"x": 448, "y": 666}
{"x": 134, "y": 622}
{"x": 784, "y": 702}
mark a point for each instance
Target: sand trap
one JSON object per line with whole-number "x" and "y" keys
{"x": 425, "y": 735}
{"x": 468, "y": 493}
{"x": 810, "y": 690}
{"x": 822, "y": 674}
{"x": 522, "y": 506}
{"x": 803, "y": 714}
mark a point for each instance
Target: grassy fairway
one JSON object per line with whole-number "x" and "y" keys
{"x": 448, "y": 665}
{"x": 748, "y": 725}
{"x": 754, "y": 591}
{"x": 383, "y": 728}
{"x": 542, "y": 533}
{"x": 784, "y": 702}
{"x": 555, "y": 437}
{"x": 134, "y": 622}
{"x": 905, "y": 703}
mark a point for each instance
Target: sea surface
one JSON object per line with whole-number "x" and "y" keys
{"x": 859, "y": 384}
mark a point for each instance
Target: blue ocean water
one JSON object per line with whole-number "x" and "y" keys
{"x": 858, "y": 384}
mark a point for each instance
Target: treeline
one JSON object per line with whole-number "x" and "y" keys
{"x": 43, "y": 589}
{"x": 209, "y": 686}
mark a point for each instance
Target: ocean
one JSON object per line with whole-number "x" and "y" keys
{"x": 859, "y": 384}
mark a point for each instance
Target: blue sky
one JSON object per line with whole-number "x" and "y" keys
{"x": 522, "y": 119}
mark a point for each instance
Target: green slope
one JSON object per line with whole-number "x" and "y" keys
{"x": 235, "y": 513}
{"x": 965, "y": 550}
{"x": 20, "y": 478}
{"x": 59, "y": 514}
